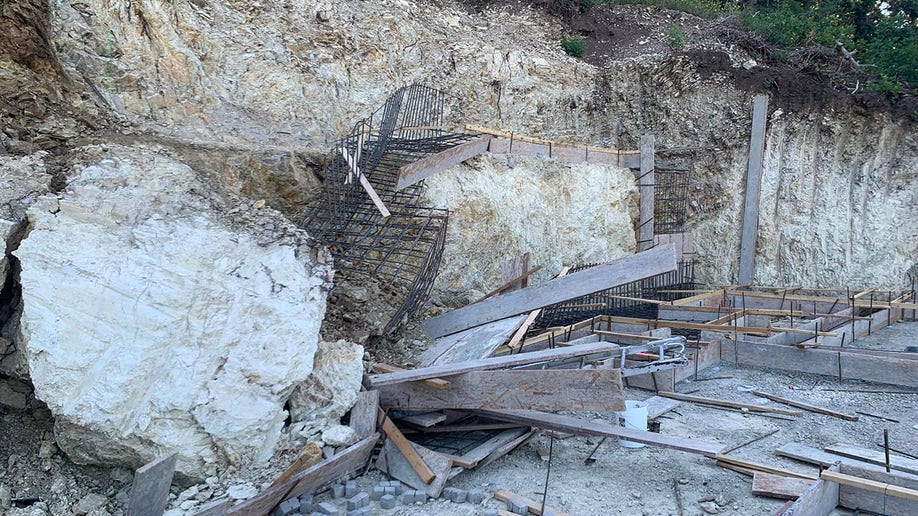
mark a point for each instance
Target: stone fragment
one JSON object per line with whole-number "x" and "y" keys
{"x": 287, "y": 507}
{"x": 350, "y": 488}
{"x": 241, "y": 491}
{"x": 377, "y": 493}
{"x": 89, "y": 503}
{"x": 387, "y": 501}
{"x": 337, "y": 490}
{"x": 328, "y": 508}
{"x": 475, "y": 496}
{"x": 358, "y": 501}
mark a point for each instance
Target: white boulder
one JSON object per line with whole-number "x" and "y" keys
{"x": 162, "y": 313}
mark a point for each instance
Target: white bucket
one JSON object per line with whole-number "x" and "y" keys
{"x": 634, "y": 417}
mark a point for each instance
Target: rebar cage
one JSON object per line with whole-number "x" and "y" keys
{"x": 404, "y": 249}
{"x": 670, "y": 200}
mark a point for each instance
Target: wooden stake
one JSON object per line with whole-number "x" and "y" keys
{"x": 411, "y": 455}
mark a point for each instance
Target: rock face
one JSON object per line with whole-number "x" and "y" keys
{"x": 331, "y": 389}
{"x": 162, "y": 313}
{"x": 500, "y": 207}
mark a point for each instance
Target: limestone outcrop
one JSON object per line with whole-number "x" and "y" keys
{"x": 162, "y": 313}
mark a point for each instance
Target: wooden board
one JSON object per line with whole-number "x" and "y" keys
{"x": 632, "y": 268}
{"x": 150, "y": 490}
{"x": 509, "y": 446}
{"x": 816, "y": 456}
{"x": 726, "y": 403}
{"x": 364, "y": 414}
{"x": 423, "y": 419}
{"x": 598, "y": 390}
{"x": 423, "y": 168}
{"x": 352, "y": 459}
{"x": 855, "y": 497}
{"x": 563, "y": 152}
{"x": 778, "y": 486}
{"x": 392, "y": 461}
{"x": 577, "y": 426}
{"x": 753, "y": 191}
{"x": 483, "y": 450}
{"x": 874, "y": 457}
{"x": 486, "y": 364}
{"x": 646, "y": 188}
{"x": 657, "y": 406}
{"x": 404, "y": 446}
{"x": 471, "y": 344}
{"x": 215, "y": 508}
{"x": 756, "y": 466}
{"x": 819, "y": 500}
{"x": 514, "y": 268}
{"x": 874, "y": 486}
{"x": 503, "y": 495}
{"x": 806, "y": 406}
{"x": 436, "y": 383}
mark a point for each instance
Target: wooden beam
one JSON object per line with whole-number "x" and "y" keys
{"x": 533, "y": 315}
{"x": 577, "y": 426}
{"x": 824, "y": 459}
{"x": 416, "y": 172}
{"x": 778, "y": 486}
{"x": 764, "y": 467}
{"x": 502, "y": 495}
{"x": 522, "y": 277}
{"x": 150, "y": 490}
{"x": 874, "y": 457}
{"x": 407, "y": 451}
{"x": 352, "y": 459}
{"x": 423, "y": 419}
{"x": 820, "y": 499}
{"x": 364, "y": 414}
{"x": 564, "y": 151}
{"x": 823, "y": 299}
{"x": 365, "y": 183}
{"x": 646, "y": 188}
{"x": 309, "y": 456}
{"x": 753, "y": 191}
{"x": 726, "y": 403}
{"x": 598, "y": 390}
{"x": 806, "y": 406}
{"x": 656, "y": 323}
{"x": 486, "y": 364}
{"x": 436, "y": 383}
{"x": 870, "y": 485}
{"x": 632, "y": 268}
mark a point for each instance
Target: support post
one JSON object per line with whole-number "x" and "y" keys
{"x": 753, "y": 191}
{"x": 645, "y": 187}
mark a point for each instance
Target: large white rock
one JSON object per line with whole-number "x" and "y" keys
{"x": 164, "y": 314}
{"x": 331, "y": 390}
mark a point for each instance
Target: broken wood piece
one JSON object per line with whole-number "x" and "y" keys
{"x": 503, "y": 495}
{"x": 365, "y": 183}
{"x": 874, "y": 457}
{"x": 805, "y": 406}
{"x": 820, "y": 499}
{"x": 214, "y": 508}
{"x": 777, "y": 486}
{"x": 470, "y": 428}
{"x": 364, "y": 414}
{"x": 510, "y": 269}
{"x": 658, "y": 405}
{"x": 510, "y": 283}
{"x": 520, "y": 334}
{"x": 394, "y": 463}
{"x": 423, "y": 419}
{"x": 350, "y": 460}
{"x": 486, "y": 364}
{"x": 602, "y": 277}
{"x": 763, "y": 467}
{"x": 578, "y": 426}
{"x": 727, "y": 403}
{"x": 509, "y": 446}
{"x": 472, "y": 344}
{"x": 421, "y": 169}
{"x": 436, "y": 383}
{"x": 870, "y": 485}
{"x": 485, "y": 449}
{"x": 598, "y": 390}
{"x": 150, "y": 489}
{"x": 407, "y": 450}
{"x": 309, "y": 456}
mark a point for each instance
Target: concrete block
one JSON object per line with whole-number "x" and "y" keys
{"x": 350, "y": 489}
{"x": 377, "y": 493}
{"x": 358, "y": 501}
{"x": 390, "y": 490}
{"x": 475, "y": 496}
{"x": 287, "y": 507}
{"x": 337, "y": 490}
{"x": 408, "y": 497}
{"x": 420, "y": 496}
{"x": 329, "y": 508}
{"x": 459, "y": 495}
{"x": 306, "y": 503}
{"x": 491, "y": 512}
{"x": 363, "y": 511}
{"x": 399, "y": 488}
{"x": 517, "y": 507}
{"x": 387, "y": 502}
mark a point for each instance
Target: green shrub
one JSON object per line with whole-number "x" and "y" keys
{"x": 674, "y": 37}
{"x": 573, "y": 46}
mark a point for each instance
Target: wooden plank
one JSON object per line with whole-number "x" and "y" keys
{"x": 483, "y": 450}
{"x": 823, "y": 299}
{"x": 753, "y": 191}
{"x": 533, "y": 315}
{"x": 509, "y": 283}
{"x": 364, "y": 414}
{"x": 598, "y": 390}
{"x": 871, "y": 485}
{"x": 502, "y": 495}
{"x": 472, "y": 344}
{"x": 727, "y": 403}
{"x": 646, "y": 191}
{"x": 309, "y": 456}
{"x": 509, "y": 446}
{"x": 825, "y": 459}
{"x": 404, "y": 446}
{"x": 739, "y": 469}
{"x": 764, "y": 467}
{"x": 777, "y": 486}
{"x": 421, "y": 169}
{"x": 150, "y": 490}
{"x": 215, "y": 508}
{"x": 806, "y": 406}
{"x": 602, "y": 277}
{"x": 874, "y": 457}
{"x": 322, "y": 474}
{"x": 857, "y": 498}
{"x": 365, "y": 183}
{"x": 658, "y": 405}
{"x": 424, "y": 419}
{"x": 436, "y": 383}
{"x": 819, "y": 500}
{"x": 485, "y": 364}
{"x": 393, "y": 462}
{"x": 577, "y": 426}
{"x": 510, "y": 269}
{"x": 656, "y": 323}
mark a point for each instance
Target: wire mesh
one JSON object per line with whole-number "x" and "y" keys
{"x": 404, "y": 249}
{"x": 670, "y": 201}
